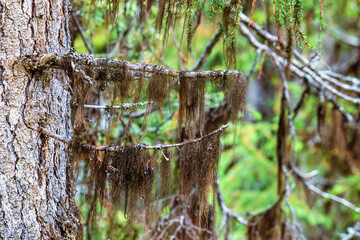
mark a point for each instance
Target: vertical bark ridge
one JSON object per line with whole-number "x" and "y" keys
{"x": 36, "y": 197}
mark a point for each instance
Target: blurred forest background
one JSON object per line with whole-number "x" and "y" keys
{"x": 326, "y": 137}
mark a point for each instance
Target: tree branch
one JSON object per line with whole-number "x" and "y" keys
{"x": 205, "y": 54}
{"x": 105, "y": 64}
{"x": 124, "y": 106}
{"x": 302, "y": 178}
{"x": 79, "y": 27}
{"x": 227, "y": 212}
{"x": 318, "y": 80}
{"x": 111, "y": 148}
{"x": 144, "y": 146}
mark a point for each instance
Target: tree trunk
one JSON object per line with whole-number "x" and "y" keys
{"x": 36, "y": 197}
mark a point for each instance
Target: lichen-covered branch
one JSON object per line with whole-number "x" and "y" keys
{"x": 124, "y": 106}
{"x": 144, "y": 146}
{"x": 35, "y": 63}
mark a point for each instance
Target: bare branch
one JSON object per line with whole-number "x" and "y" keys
{"x": 327, "y": 75}
{"x": 111, "y": 148}
{"x": 257, "y": 58}
{"x": 83, "y": 59}
{"x": 353, "y": 232}
{"x": 317, "y": 79}
{"x": 299, "y": 104}
{"x": 205, "y": 54}
{"x": 342, "y": 36}
{"x": 84, "y": 38}
{"x": 124, "y": 106}
{"x": 181, "y": 55}
{"x": 55, "y": 136}
{"x": 301, "y": 176}
{"x": 228, "y": 212}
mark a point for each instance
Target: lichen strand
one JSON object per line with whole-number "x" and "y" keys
{"x": 191, "y": 107}
{"x": 198, "y": 172}
{"x": 165, "y": 173}
{"x": 122, "y": 82}
{"x": 125, "y": 179}
{"x": 234, "y": 88}
{"x": 209, "y": 154}
{"x": 131, "y": 180}
{"x": 168, "y": 10}
{"x": 80, "y": 94}
{"x": 237, "y": 96}
{"x": 228, "y": 27}
{"x": 158, "y": 87}
{"x": 96, "y": 181}
{"x": 112, "y": 7}
{"x": 118, "y": 180}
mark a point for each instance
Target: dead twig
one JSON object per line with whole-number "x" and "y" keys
{"x": 82, "y": 34}
{"x": 111, "y": 148}
{"x": 124, "y": 106}
{"x": 143, "y": 146}
{"x": 305, "y": 181}
{"x": 206, "y": 53}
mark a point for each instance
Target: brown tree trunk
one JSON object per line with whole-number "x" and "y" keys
{"x": 36, "y": 197}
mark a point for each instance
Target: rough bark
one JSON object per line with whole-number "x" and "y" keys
{"x": 36, "y": 197}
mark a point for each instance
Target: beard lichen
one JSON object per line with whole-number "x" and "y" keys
{"x": 125, "y": 179}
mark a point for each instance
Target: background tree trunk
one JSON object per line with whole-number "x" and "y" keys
{"x": 36, "y": 197}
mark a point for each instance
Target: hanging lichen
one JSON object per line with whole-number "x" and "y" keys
{"x": 191, "y": 106}
{"x": 165, "y": 172}
{"x": 229, "y": 28}
{"x": 237, "y": 96}
{"x": 158, "y": 87}
{"x": 80, "y": 95}
{"x": 168, "y": 10}
{"x": 132, "y": 178}
{"x": 198, "y": 168}
{"x": 96, "y": 182}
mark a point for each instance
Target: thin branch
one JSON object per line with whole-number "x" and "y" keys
{"x": 300, "y": 176}
{"x": 181, "y": 55}
{"x": 353, "y": 232}
{"x": 142, "y": 112}
{"x": 144, "y": 146}
{"x": 122, "y": 37}
{"x": 54, "y": 136}
{"x": 257, "y": 58}
{"x": 343, "y": 37}
{"x": 315, "y": 78}
{"x": 205, "y": 54}
{"x": 124, "y": 106}
{"x": 307, "y": 68}
{"x": 80, "y": 28}
{"x": 352, "y": 80}
{"x": 228, "y": 212}
{"x": 300, "y": 103}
